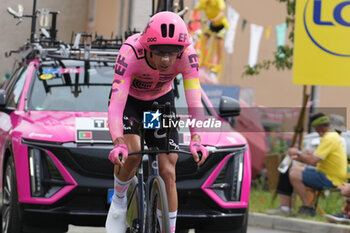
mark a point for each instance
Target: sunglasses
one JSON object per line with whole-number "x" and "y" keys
{"x": 164, "y": 53}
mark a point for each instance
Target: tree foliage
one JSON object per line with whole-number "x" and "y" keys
{"x": 283, "y": 57}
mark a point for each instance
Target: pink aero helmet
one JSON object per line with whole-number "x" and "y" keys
{"x": 165, "y": 28}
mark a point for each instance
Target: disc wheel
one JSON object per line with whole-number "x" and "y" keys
{"x": 158, "y": 200}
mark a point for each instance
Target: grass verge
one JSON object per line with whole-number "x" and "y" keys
{"x": 261, "y": 200}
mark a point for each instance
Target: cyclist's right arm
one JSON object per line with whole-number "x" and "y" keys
{"x": 119, "y": 95}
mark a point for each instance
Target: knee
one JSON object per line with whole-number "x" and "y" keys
{"x": 134, "y": 160}
{"x": 168, "y": 174}
{"x": 295, "y": 174}
{"x": 292, "y": 173}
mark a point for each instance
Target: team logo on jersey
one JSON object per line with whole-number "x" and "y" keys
{"x": 193, "y": 59}
{"x": 120, "y": 65}
{"x": 141, "y": 84}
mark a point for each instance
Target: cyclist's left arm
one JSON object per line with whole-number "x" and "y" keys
{"x": 190, "y": 73}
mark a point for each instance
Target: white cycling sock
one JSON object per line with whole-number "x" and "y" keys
{"x": 172, "y": 218}
{"x": 120, "y": 188}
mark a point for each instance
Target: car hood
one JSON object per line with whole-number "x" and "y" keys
{"x": 226, "y": 137}
{"x": 57, "y": 126}
{"x": 51, "y": 126}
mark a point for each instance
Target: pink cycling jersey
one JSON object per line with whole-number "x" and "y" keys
{"x": 136, "y": 77}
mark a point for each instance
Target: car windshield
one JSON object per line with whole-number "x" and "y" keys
{"x": 71, "y": 86}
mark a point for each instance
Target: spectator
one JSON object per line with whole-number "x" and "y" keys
{"x": 343, "y": 217}
{"x": 214, "y": 11}
{"x": 327, "y": 170}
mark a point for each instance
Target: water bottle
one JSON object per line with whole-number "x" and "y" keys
{"x": 284, "y": 165}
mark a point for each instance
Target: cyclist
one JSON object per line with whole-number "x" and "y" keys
{"x": 215, "y": 12}
{"x": 145, "y": 69}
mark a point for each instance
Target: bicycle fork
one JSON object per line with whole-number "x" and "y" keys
{"x": 153, "y": 167}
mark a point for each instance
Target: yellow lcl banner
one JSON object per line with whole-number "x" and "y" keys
{"x": 322, "y": 43}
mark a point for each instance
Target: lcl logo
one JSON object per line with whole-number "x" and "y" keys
{"x": 327, "y": 23}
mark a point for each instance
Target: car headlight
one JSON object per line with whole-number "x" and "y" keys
{"x": 228, "y": 183}
{"x": 45, "y": 178}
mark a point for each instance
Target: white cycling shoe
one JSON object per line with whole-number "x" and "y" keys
{"x": 116, "y": 219}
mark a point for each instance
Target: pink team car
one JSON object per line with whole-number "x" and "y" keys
{"x": 54, "y": 146}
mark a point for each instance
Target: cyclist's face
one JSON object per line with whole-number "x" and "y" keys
{"x": 164, "y": 61}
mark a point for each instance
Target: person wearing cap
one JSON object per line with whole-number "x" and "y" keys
{"x": 328, "y": 164}
{"x": 284, "y": 186}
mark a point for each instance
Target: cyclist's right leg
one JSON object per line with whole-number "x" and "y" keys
{"x": 123, "y": 176}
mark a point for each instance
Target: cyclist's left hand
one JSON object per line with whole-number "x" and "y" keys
{"x": 196, "y": 146}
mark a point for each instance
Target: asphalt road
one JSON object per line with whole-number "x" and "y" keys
{"x": 251, "y": 229}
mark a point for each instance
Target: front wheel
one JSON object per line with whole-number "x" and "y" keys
{"x": 10, "y": 209}
{"x": 158, "y": 200}
{"x": 136, "y": 208}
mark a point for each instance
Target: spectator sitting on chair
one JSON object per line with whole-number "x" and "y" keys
{"x": 329, "y": 160}
{"x": 343, "y": 217}
{"x": 327, "y": 170}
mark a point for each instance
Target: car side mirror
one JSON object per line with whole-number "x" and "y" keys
{"x": 3, "y": 98}
{"x": 229, "y": 107}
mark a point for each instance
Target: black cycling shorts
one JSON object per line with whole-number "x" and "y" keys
{"x": 135, "y": 108}
{"x": 216, "y": 29}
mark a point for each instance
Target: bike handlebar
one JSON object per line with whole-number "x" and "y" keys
{"x": 142, "y": 152}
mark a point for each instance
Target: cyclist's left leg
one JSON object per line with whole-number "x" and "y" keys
{"x": 167, "y": 172}
{"x": 167, "y": 163}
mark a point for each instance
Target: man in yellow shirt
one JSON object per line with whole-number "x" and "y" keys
{"x": 215, "y": 12}
{"x": 328, "y": 163}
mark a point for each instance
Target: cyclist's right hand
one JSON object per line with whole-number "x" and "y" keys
{"x": 119, "y": 149}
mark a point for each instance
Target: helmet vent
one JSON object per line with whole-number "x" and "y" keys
{"x": 164, "y": 30}
{"x": 171, "y": 30}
